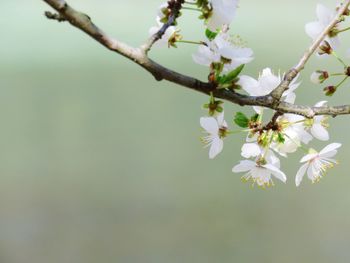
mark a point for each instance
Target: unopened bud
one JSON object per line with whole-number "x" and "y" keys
{"x": 325, "y": 48}
{"x": 347, "y": 71}
{"x": 330, "y": 90}
{"x": 319, "y": 76}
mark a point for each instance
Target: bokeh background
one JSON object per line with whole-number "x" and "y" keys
{"x": 101, "y": 163}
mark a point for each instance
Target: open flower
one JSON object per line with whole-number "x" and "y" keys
{"x": 318, "y": 124}
{"x": 265, "y": 84}
{"x": 293, "y": 130}
{"x": 217, "y": 130}
{"x": 223, "y": 50}
{"x": 223, "y": 12}
{"x": 316, "y": 164}
{"x": 260, "y": 171}
{"x": 325, "y": 17}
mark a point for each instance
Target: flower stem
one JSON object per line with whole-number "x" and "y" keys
{"x": 190, "y": 3}
{"x": 336, "y": 74}
{"x": 339, "y": 59}
{"x": 190, "y": 42}
{"x": 341, "y": 82}
{"x": 191, "y": 8}
{"x": 343, "y": 30}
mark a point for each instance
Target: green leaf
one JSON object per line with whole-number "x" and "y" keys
{"x": 210, "y": 34}
{"x": 234, "y": 73}
{"x": 241, "y": 120}
{"x": 230, "y": 77}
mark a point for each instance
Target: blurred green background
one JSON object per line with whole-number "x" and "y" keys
{"x": 101, "y": 163}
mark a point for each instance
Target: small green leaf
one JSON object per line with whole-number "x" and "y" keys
{"x": 210, "y": 34}
{"x": 241, "y": 120}
{"x": 234, "y": 73}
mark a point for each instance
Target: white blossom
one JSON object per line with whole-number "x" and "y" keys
{"x": 325, "y": 17}
{"x": 293, "y": 131}
{"x": 317, "y": 163}
{"x": 222, "y": 49}
{"x": 222, "y": 14}
{"x": 318, "y": 125}
{"x": 216, "y": 129}
{"x": 261, "y": 171}
{"x": 266, "y": 83}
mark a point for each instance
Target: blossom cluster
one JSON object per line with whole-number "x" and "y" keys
{"x": 265, "y": 142}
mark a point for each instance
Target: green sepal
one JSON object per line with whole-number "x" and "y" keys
{"x": 280, "y": 138}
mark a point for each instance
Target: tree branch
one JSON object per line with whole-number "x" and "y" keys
{"x": 139, "y": 56}
{"x": 290, "y": 76}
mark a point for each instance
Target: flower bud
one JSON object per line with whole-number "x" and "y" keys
{"x": 347, "y": 71}
{"x": 330, "y": 90}
{"x": 325, "y": 48}
{"x": 319, "y": 76}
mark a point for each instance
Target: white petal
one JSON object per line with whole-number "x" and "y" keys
{"x": 250, "y": 85}
{"x": 312, "y": 172}
{"x": 250, "y": 150}
{"x": 258, "y": 109}
{"x": 271, "y": 158}
{"x": 321, "y": 103}
{"x": 216, "y": 147}
{"x": 276, "y": 172}
{"x": 268, "y": 81}
{"x": 334, "y": 42}
{"x": 314, "y": 29}
{"x": 329, "y": 154}
{"x": 209, "y": 124}
{"x": 329, "y": 148}
{"x": 319, "y": 132}
{"x": 220, "y": 119}
{"x": 290, "y": 98}
{"x": 308, "y": 157}
{"x": 300, "y": 174}
{"x": 243, "y": 166}
{"x": 324, "y": 14}
{"x": 306, "y": 137}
